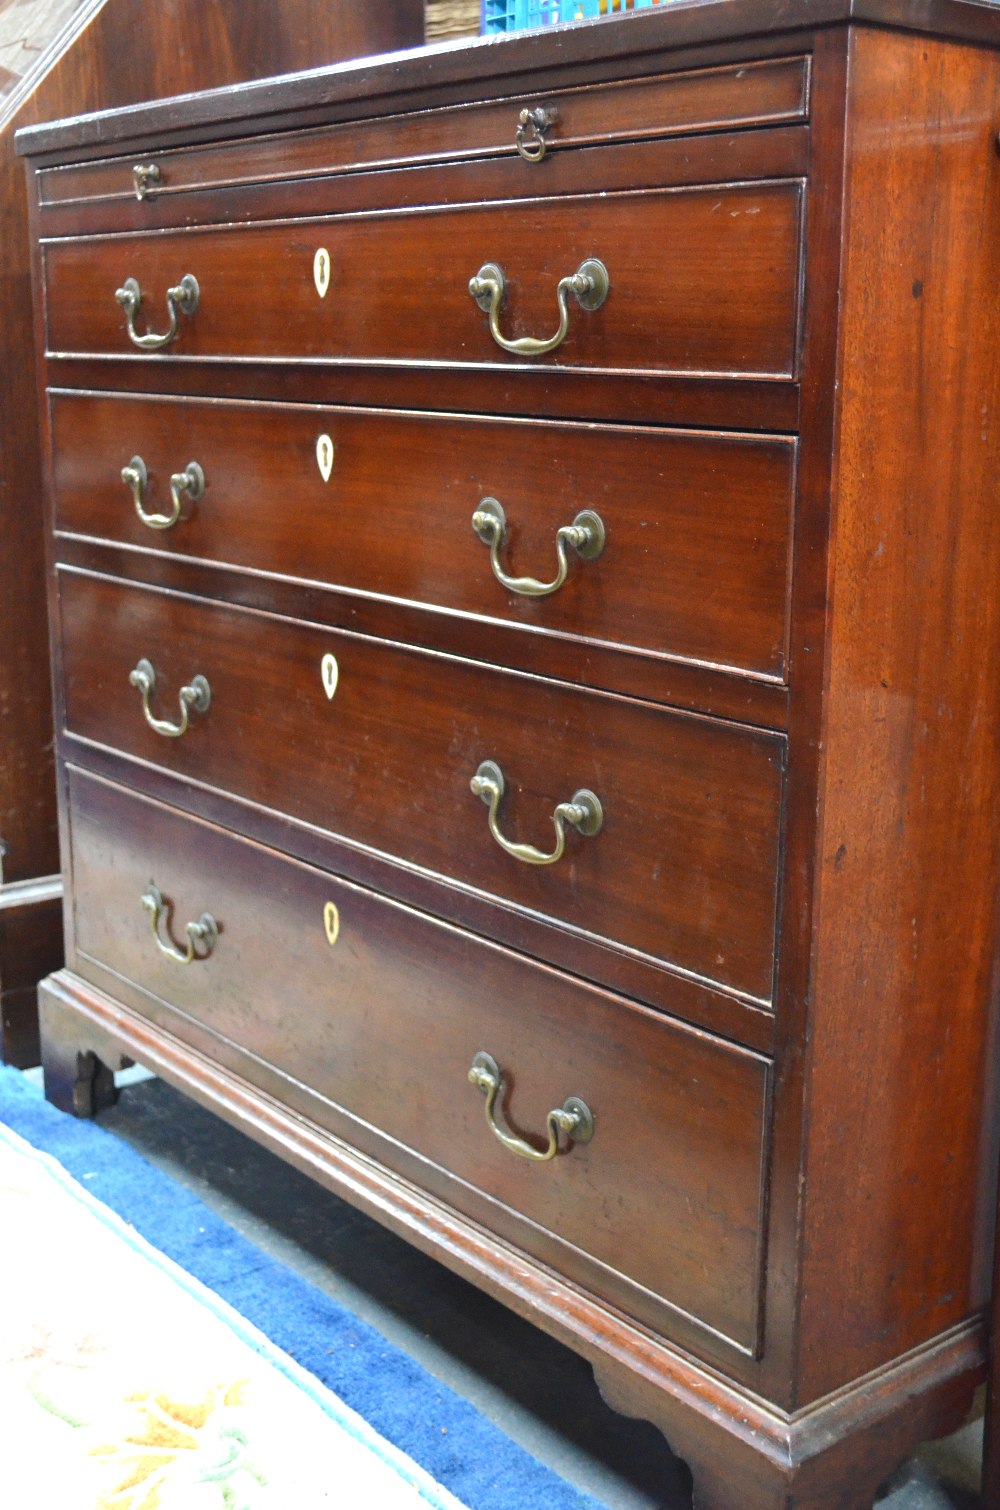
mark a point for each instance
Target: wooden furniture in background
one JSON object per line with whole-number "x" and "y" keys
{"x": 113, "y": 52}
{"x": 316, "y": 728}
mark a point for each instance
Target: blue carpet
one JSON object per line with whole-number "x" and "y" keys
{"x": 423, "y": 1417}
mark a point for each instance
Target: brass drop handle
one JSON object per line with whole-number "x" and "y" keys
{"x": 181, "y": 300}
{"x": 586, "y": 536}
{"x": 204, "y": 933}
{"x": 190, "y": 482}
{"x": 584, "y": 812}
{"x": 574, "y": 1117}
{"x": 197, "y": 696}
{"x": 589, "y": 285}
{"x": 533, "y": 127}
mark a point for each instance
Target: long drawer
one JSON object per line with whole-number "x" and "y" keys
{"x": 378, "y": 743}
{"x": 367, "y": 1017}
{"x": 767, "y": 93}
{"x": 701, "y": 281}
{"x": 696, "y": 526}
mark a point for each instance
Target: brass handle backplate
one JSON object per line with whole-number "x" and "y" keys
{"x": 586, "y": 535}
{"x": 181, "y": 300}
{"x": 583, "y": 811}
{"x": 202, "y": 934}
{"x": 574, "y": 1118}
{"x": 589, "y": 285}
{"x": 533, "y": 127}
{"x": 196, "y": 696}
{"x": 190, "y": 482}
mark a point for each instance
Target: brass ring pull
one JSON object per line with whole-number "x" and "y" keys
{"x": 589, "y": 284}
{"x": 145, "y": 176}
{"x": 584, "y": 812}
{"x": 190, "y": 482}
{"x": 574, "y": 1117}
{"x": 533, "y": 127}
{"x": 197, "y": 696}
{"x": 181, "y": 300}
{"x": 204, "y": 933}
{"x": 585, "y": 535}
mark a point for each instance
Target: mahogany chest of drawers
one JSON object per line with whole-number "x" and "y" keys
{"x": 523, "y": 545}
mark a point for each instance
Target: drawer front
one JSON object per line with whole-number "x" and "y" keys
{"x": 682, "y": 874}
{"x": 702, "y": 281}
{"x": 753, "y": 94}
{"x": 382, "y": 1027}
{"x": 697, "y": 526}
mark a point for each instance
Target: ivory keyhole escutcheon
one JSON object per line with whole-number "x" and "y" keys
{"x": 324, "y": 456}
{"x": 331, "y": 674}
{"x": 321, "y": 271}
{"x": 331, "y": 922}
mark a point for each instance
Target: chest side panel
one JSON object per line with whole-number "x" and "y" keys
{"x": 905, "y": 926}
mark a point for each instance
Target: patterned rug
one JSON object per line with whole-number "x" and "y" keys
{"x": 127, "y": 1383}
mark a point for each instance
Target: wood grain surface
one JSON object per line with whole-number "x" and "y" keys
{"x": 443, "y": 177}
{"x": 769, "y": 93}
{"x": 381, "y": 1030}
{"x": 899, "y": 1193}
{"x": 452, "y": 18}
{"x": 698, "y": 526}
{"x": 701, "y": 281}
{"x": 684, "y": 871}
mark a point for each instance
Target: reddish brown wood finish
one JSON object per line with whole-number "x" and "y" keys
{"x": 806, "y": 670}
{"x": 381, "y": 1032}
{"x": 728, "y": 404}
{"x": 683, "y": 872}
{"x": 909, "y": 859}
{"x": 879, "y": 1189}
{"x": 680, "y": 162}
{"x": 768, "y": 93}
{"x": 698, "y": 526}
{"x": 94, "y": 63}
{"x": 718, "y": 1011}
{"x": 701, "y": 281}
{"x": 682, "y": 684}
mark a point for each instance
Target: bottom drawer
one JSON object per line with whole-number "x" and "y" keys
{"x": 366, "y": 1016}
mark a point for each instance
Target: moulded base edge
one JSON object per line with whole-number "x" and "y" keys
{"x": 744, "y": 1453}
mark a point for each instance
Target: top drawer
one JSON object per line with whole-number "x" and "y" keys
{"x": 769, "y": 93}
